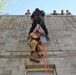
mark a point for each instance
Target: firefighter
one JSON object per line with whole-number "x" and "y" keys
{"x": 37, "y": 46}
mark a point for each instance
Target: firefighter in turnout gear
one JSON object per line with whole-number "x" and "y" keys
{"x": 37, "y": 46}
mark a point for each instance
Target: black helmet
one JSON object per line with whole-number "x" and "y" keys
{"x": 37, "y": 9}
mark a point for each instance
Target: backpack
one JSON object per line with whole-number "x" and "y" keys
{"x": 37, "y": 15}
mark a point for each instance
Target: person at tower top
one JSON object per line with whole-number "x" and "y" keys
{"x": 37, "y": 18}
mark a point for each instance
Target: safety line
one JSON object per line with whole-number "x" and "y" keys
{"x": 46, "y": 63}
{"x": 46, "y": 66}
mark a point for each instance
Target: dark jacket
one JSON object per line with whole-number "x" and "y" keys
{"x": 37, "y": 13}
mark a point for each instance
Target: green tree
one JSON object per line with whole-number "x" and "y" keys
{"x": 3, "y": 4}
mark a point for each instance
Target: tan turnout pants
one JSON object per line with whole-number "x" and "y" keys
{"x": 33, "y": 44}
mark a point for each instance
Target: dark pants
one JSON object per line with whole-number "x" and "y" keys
{"x": 42, "y": 24}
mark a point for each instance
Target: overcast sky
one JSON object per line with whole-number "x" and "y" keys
{"x": 21, "y": 6}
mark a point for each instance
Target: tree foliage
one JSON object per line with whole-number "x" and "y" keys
{"x": 3, "y": 4}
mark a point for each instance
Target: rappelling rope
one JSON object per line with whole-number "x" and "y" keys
{"x": 46, "y": 66}
{"x": 45, "y": 59}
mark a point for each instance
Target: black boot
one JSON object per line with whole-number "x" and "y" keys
{"x": 32, "y": 53}
{"x": 34, "y": 57}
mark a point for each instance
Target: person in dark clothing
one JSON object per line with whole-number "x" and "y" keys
{"x": 54, "y": 13}
{"x": 38, "y": 18}
{"x": 62, "y": 12}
